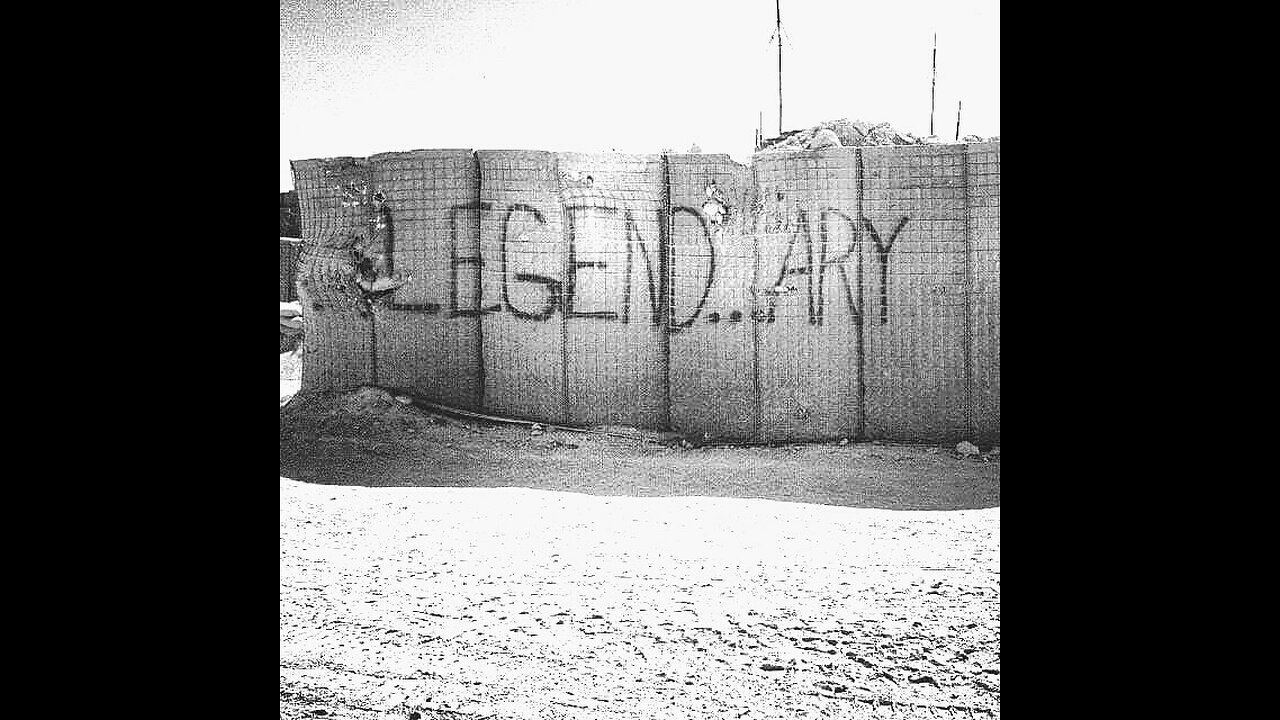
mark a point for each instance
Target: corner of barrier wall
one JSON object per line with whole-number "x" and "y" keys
{"x": 340, "y": 225}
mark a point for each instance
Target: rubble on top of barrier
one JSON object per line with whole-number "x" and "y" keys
{"x": 850, "y": 133}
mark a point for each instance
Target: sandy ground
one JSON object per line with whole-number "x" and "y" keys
{"x": 405, "y": 588}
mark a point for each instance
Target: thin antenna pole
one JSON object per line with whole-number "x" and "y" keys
{"x": 958, "y": 106}
{"x": 933, "y": 87}
{"x": 777, "y": 4}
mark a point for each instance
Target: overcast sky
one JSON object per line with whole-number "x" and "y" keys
{"x": 358, "y": 78}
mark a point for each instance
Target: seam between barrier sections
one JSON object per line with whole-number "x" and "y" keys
{"x": 478, "y": 286}
{"x": 664, "y": 288}
{"x": 373, "y": 347}
{"x": 566, "y": 232}
{"x": 373, "y": 313}
{"x": 756, "y": 394}
{"x": 968, "y": 302}
{"x": 859, "y": 174}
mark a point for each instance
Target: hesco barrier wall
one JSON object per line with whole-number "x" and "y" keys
{"x": 290, "y": 248}
{"x": 845, "y": 292}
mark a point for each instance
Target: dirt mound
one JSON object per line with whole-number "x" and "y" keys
{"x": 365, "y": 413}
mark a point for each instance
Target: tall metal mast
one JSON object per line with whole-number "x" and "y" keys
{"x": 777, "y": 4}
{"x": 934, "y": 85}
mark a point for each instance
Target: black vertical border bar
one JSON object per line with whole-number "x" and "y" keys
{"x": 664, "y": 290}
{"x": 859, "y": 188}
{"x": 968, "y": 291}
{"x": 479, "y": 284}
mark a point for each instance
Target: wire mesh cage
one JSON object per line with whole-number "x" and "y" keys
{"x": 290, "y": 252}
{"x": 712, "y": 377}
{"x": 427, "y": 331}
{"x": 614, "y": 357}
{"x": 816, "y": 294}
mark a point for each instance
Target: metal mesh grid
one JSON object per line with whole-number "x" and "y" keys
{"x": 333, "y": 195}
{"x": 337, "y": 350}
{"x": 984, "y": 275}
{"x": 915, "y": 339}
{"x": 428, "y": 330}
{"x": 810, "y": 299}
{"x": 522, "y": 243}
{"x": 614, "y": 354}
{"x": 337, "y": 328}
{"x": 290, "y": 250}
{"x": 712, "y": 266}
{"x": 839, "y": 293}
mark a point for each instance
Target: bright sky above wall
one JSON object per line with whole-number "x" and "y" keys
{"x": 359, "y": 77}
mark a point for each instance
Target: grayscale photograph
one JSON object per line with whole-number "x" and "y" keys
{"x": 639, "y": 360}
